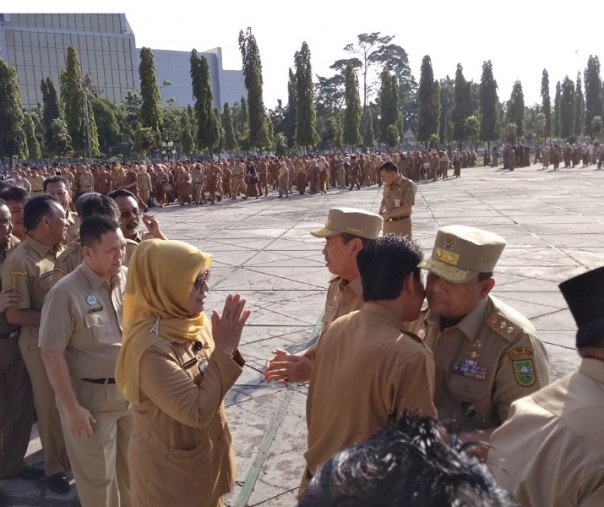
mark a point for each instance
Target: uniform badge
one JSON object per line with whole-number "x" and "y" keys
{"x": 18, "y": 273}
{"x": 470, "y": 368}
{"x": 520, "y": 351}
{"x": 524, "y": 372}
{"x": 91, "y": 299}
{"x": 449, "y": 242}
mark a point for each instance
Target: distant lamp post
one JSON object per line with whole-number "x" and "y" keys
{"x": 168, "y": 149}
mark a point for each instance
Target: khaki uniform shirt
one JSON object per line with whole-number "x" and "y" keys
{"x": 550, "y": 452}
{"x": 365, "y": 369}
{"x": 73, "y": 228}
{"x": 342, "y": 297}
{"x": 484, "y": 363}
{"x": 29, "y": 269}
{"x": 82, "y": 317}
{"x": 401, "y": 192}
{"x": 181, "y": 452}
{"x": 5, "y": 327}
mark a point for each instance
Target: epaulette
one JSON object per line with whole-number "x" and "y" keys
{"x": 503, "y": 327}
{"x": 414, "y": 337}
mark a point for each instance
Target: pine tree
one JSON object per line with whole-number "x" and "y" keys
{"x": 579, "y": 108}
{"x": 352, "y": 115}
{"x": 389, "y": 109}
{"x": 367, "y": 128}
{"x": 72, "y": 97}
{"x": 12, "y": 122}
{"x": 187, "y": 143}
{"x": 252, "y": 71}
{"x": 489, "y": 104}
{"x": 557, "y": 106}
{"x": 546, "y": 103}
{"x": 306, "y": 116}
{"x": 516, "y": 109}
{"x": 50, "y": 107}
{"x": 458, "y": 115}
{"x": 290, "y": 114}
{"x": 33, "y": 146}
{"x": 567, "y": 109}
{"x": 428, "y": 114}
{"x": 230, "y": 141}
{"x": 151, "y": 111}
{"x": 204, "y": 109}
{"x": 593, "y": 93}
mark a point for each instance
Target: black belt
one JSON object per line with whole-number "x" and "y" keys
{"x": 396, "y": 219}
{"x": 100, "y": 380}
{"x": 8, "y": 336}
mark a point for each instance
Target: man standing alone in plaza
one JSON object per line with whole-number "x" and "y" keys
{"x": 80, "y": 338}
{"x": 397, "y": 203}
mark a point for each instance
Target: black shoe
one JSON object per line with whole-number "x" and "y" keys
{"x": 59, "y": 483}
{"x": 29, "y": 473}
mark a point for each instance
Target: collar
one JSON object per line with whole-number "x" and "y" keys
{"x": 40, "y": 248}
{"x": 469, "y": 325}
{"x": 592, "y": 368}
{"x": 70, "y": 217}
{"x": 376, "y": 309}
{"x": 95, "y": 280}
{"x": 355, "y": 286}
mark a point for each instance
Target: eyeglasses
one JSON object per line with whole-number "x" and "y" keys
{"x": 5, "y": 221}
{"x": 201, "y": 280}
{"x": 126, "y": 213}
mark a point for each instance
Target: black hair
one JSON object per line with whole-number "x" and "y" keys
{"x": 93, "y": 203}
{"x": 93, "y": 228}
{"x": 57, "y": 179}
{"x": 385, "y": 263}
{"x": 121, "y": 192}
{"x": 389, "y": 167}
{"x": 14, "y": 193}
{"x": 410, "y": 461}
{"x": 37, "y": 208}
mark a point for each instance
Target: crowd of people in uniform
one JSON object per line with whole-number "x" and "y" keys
{"x": 103, "y": 337}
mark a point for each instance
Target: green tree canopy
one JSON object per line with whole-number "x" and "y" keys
{"x": 489, "y": 103}
{"x": 230, "y": 141}
{"x": 546, "y": 104}
{"x": 204, "y": 109}
{"x": 567, "y": 109}
{"x": 593, "y": 92}
{"x": 352, "y": 115}
{"x": 429, "y": 109}
{"x": 13, "y": 140}
{"x": 306, "y": 116}
{"x": 150, "y": 111}
{"x": 515, "y": 112}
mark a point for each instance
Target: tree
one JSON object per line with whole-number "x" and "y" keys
{"x": 489, "y": 103}
{"x": 33, "y": 146}
{"x": 579, "y": 107}
{"x": 462, "y": 106}
{"x": 252, "y": 71}
{"x": 368, "y": 46}
{"x": 389, "y": 108}
{"x": 12, "y": 134}
{"x": 546, "y": 104}
{"x": 230, "y": 141}
{"x": 60, "y": 141}
{"x": 472, "y": 128}
{"x": 557, "y": 105}
{"x": 150, "y": 112}
{"x": 72, "y": 97}
{"x": 367, "y": 128}
{"x": 106, "y": 121}
{"x": 331, "y": 135}
{"x": 50, "y": 109}
{"x": 593, "y": 93}
{"x": 187, "y": 141}
{"x": 204, "y": 109}
{"x": 429, "y": 113}
{"x": 289, "y": 120}
{"x": 567, "y": 109}
{"x": 447, "y": 100}
{"x": 352, "y": 115}
{"x": 516, "y": 109}
{"x": 306, "y": 116}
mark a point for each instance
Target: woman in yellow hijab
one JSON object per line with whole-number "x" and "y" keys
{"x": 176, "y": 368}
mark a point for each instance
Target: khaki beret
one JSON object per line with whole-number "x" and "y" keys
{"x": 461, "y": 252}
{"x": 357, "y": 222}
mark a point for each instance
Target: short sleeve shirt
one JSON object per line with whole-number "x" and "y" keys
{"x": 342, "y": 298}
{"x": 82, "y": 317}
{"x": 401, "y": 192}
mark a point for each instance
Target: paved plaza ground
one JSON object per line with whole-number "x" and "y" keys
{"x": 553, "y": 223}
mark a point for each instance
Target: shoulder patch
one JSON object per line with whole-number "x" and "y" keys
{"x": 503, "y": 327}
{"x": 16, "y": 272}
{"x": 524, "y": 372}
{"x": 60, "y": 270}
{"x": 520, "y": 351}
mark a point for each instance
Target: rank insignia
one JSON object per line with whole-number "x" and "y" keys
{"x": 520, "y": 351}
{"x": 18, "y": 273}
{"x": 471, "y": 369}
{"x": 449, "y": 242}
{"x": 524, "y": 372}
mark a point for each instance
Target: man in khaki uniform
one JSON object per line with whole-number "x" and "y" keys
{"x": 550, "y": 451}
{"x": 16, "y": 402}
{"x": 130, "y": 217}
{"x": 58, "y": 187}
{"x": 36, "y": 180}
{"x": 366, "y": 368}
{"x": 346, "y": 231}
{"x": 144, "y": 184}
{"x": 29, "y": 270}
{"x": 198, "y": 179}
{"x": 487, "y": 354}
{"x": 85, "y": 180}
{"x": 80, "y": 339}
{"x": 398, "y": 201}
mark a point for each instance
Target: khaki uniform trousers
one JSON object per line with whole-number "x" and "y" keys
{"x": 16, "y": 408}
{"x": 49, "y": 423}
{"x": 100, "y": 463}
{"x": 400, "y": 227}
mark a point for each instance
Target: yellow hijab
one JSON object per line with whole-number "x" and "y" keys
{"x": 160, "y": 279}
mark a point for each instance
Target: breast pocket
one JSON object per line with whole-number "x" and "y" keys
{"x": 100, "y": 329}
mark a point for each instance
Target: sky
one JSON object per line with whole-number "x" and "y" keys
{"x": 521, "y": 38}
